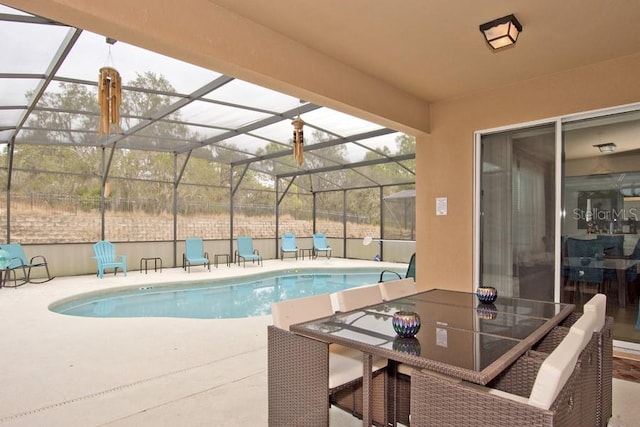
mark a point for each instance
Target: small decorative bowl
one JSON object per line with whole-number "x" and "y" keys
{"x": 487, "y": 294}
{"x": 406, "y": 323}
{"x": 407, "y": 345}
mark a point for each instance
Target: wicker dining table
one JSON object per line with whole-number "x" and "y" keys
{"x": 458, "y": 337}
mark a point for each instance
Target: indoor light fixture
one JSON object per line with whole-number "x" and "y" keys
{"x": 501, "y": 32}
{"x": 608, "y": 147}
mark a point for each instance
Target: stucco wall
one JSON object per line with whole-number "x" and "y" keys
{"x": 445, "y": 158}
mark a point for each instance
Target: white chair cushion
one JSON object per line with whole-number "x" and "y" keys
{"x": 334, "y": 301}
{"x": 397, "y": 288}
{"x": 598, "y": 305}
{"x": 290, "y": 312}
{"x": 351, "y": 299}
{"x": 584, "y": 328}
{"x": 345, "y": 365}
{"x": 405, "y": 369}
{"x": 555, "y": 371}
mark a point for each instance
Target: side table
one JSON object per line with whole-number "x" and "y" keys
{"x": 155, "y": 260}
{"x": 309, "y": 253}
{"x": 216, "y": 259}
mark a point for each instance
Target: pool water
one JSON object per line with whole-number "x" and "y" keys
{"x": 216, "y": 300}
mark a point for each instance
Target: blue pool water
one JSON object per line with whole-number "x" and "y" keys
{"x": 242, "y": 297}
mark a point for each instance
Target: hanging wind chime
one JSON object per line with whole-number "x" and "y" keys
{"x": 109, "y": 97}
{"x": 298, "y": 140}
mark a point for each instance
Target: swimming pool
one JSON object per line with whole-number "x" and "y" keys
{"x": 222, "y": 299}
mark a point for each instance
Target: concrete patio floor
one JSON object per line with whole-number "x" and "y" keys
{"x": 63, "y": 370}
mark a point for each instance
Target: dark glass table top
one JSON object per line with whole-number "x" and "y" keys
{"x": 458, "y": 336}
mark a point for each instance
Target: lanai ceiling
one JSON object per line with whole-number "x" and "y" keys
{"x": 434, "y": 50}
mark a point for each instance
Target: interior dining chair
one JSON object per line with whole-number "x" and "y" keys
{"x": 584, "y": 277}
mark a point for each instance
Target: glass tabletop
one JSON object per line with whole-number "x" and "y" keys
{"x": 457, "y": 333}
{"x": 525, "y": 307}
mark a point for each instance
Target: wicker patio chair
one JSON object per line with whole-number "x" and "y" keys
{"x": 397, "y": 288}
{"x": 299, "y": 395}
{"x": 538, "y": 389}
{"x": 351, "y": 299}
{"x": 604, "y": 337}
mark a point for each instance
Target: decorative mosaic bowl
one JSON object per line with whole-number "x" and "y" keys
{"x": 487, "y": 294}
{"x": 409, "y": 345}
{"x": 406, "y": 323}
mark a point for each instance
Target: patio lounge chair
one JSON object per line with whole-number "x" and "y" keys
{"x": 245, "y": 251}
{"x": 194, "y": 254}
{"x": 105, "y": 255}
{"x": 18, "y": 263}
{"x": 320, "y": 245}
{"x": 288, "y": 245}
{"x": 411, "y": 270}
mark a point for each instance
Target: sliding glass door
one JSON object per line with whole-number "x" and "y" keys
{"x": 601, "y": 240}
{"x": 558, "y": 211}
{"x": 517, "y": 205}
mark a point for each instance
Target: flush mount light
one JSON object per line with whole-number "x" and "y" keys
{"x": 608, "y": 147}
{"x": 501, "y": 32}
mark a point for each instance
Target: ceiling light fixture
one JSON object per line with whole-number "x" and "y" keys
{"x": 501, "y": 32}
{"x": 608, "y": 147}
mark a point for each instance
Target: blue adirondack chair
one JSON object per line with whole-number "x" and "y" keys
{"x": 194, "y": 254}
{"x": 246, "y": 252}
{"x": 320, "y": 245}
{"x": 18, "y": 262}
{"x": 288, "y": 245}
{"x": 105, "y": 255}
